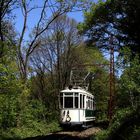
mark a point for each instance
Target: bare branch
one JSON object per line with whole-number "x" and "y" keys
{"x": 31, "y": 48}
{"x": 24, "y": 24}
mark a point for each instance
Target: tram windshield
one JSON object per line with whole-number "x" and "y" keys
{"x": 69, "y": 100}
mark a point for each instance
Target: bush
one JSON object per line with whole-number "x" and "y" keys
{"x": 125, "y": 125}
{"x": 102, "y": 135}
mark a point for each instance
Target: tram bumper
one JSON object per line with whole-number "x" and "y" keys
{"x": 71, "y": 124}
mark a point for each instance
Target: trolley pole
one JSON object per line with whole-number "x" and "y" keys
{"x": 111, "y": 81}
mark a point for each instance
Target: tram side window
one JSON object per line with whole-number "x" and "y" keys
{"x": 83, "y": 101}
{"x": 76, "y": 102}
{"x": 93, "y": 104}
{"x": 68, "y": 102}
{"x": 80, "y": 101}
{"x": 90, "y": 104}
{"x": 87, "y": 106}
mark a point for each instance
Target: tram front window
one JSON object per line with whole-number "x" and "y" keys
{"x": 61, "y": 100}
{"x": 68, "y": 102}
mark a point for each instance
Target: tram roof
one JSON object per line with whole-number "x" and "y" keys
{"x": 79, "y": 90}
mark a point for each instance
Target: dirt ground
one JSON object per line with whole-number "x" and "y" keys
{"x": 69, "y": 135}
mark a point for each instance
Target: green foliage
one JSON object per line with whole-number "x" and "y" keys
{"x": 125, "y": 125}
{"x": 10, "y": 87}
{"x": 99, "y": 85}
{"x": 31, "y": 109}
{"x": 100, "y": 89}
{"x": 109, "y": 17}
{"x": 36, "y": 128}
{"x": 136, "y": 133}
{"x": 21, "y": 115}
{"x": 89, "y": 55}
{"x": 129, "y": 86}
{"x": 102, "y": 135}
{"x": 119, "y": 117}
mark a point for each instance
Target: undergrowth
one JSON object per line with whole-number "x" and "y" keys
{"x": 124, "y": 126}
{"x": 31, "y": 130}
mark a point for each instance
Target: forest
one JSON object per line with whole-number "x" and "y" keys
{"x": 36, "y": 61}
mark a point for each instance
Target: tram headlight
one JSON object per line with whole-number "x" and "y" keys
{"x": 68, "y": 119}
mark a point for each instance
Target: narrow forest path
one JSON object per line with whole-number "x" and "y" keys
{"x": 69, "y": 135}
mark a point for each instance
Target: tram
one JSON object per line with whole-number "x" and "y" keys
{"x": 77, "y": 107}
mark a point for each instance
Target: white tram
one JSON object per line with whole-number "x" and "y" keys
{"x": 77, "y": 107}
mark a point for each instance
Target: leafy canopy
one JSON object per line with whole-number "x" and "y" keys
{"x": 119, "y": 18}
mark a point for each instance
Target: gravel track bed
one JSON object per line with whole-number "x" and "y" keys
{"x": 82, "y": 134}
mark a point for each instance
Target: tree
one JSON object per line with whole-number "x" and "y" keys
{"x": 54, "y": 56}
{"x": 7, "y": 32}
{"x": 55, "y": 9}
{"x": 129, "y": 91}
{"x": 117, "y": 18}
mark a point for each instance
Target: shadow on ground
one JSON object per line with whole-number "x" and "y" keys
{"x": 57, "y": 137}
